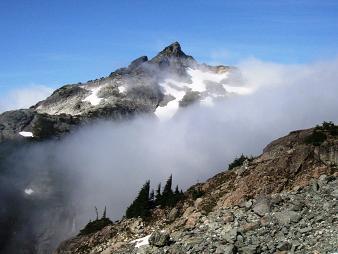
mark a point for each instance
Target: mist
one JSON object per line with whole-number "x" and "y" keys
{"x": 23, "y": 97}
{"x": 106, "y": 163}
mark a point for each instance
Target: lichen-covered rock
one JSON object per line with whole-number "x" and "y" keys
{"x": 159, "y": 238}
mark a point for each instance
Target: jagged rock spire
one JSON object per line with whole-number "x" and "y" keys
{"x": 137, "y": 62}
{"x": 171, "y": 51}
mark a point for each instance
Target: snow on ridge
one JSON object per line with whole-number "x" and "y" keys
{"x": 178, "y": 89}
{"x": 241, "y": 90}
{"x": 199, "y": 77}
{"x": 141, "y": 241}
{"x": 122, "y": 89}
{"x": 93, "y": 98}
{"x": 29, "y": 191}
{"x": 26, "y": 134}
{"x": 168, "y": 111}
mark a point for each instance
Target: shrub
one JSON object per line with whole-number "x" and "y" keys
{"x": 238, "y": 162}
{"x": 94, "y": 226}
{"x": 319, "y": 134}
{"x": 196, "y": 193}
{"x": 331, "y": 128}
{"x": 316, "y": 138}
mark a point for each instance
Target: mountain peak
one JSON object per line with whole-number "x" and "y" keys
{"x": 173, "y": 50}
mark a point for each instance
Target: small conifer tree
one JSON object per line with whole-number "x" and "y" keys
{"x": 104, "y": 215}
{"x": 141, "y": 205}
{"x": 168, "y": 198}
{"x": 97, "y": 213}
{"x": 158, "y": 196}
{"x": 152, "y": 199}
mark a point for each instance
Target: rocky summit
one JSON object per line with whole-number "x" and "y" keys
{"x": 158, "y": 87}
{"x": 283, "y": 201}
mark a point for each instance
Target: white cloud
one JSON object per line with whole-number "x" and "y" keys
{"x": 24, "y": 97}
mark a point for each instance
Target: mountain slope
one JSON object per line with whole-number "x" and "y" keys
{"x": 159, "y": 86}
{"x": 283, "y": 201}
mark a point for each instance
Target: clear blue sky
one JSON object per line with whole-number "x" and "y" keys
{"x": 53, "y": 42}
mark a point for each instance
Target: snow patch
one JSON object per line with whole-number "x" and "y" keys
{"x": 26, "y": 134}
{"x": 207, "y": 101}
{"x": 29, "y": 191}
{"x": 178, "y": 90}
{"x": 122, "y": 89}
{"x": 199, "y": 77}
{"x": 241, "y": 90}
{"x": 93, "y": 98}
{"x": 141, "y": 241}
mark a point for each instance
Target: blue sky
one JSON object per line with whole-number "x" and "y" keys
{"x": 52, "y": 43}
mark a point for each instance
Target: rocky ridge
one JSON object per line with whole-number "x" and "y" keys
{"x": 283, "y": 201}
{"x": 159, "y": 86}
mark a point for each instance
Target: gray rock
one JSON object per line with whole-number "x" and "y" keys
{"x": 322, "y": 180}
{"x": 284, "y": 246}
{"x": 287, "y": 217}
{"x": 315, "y": 186}
{"x": 13, "y": 122}
{"x": 173, "y": 214}
{"x": 228, "y": 217}
{"x": 225, "y": 249}
{"x": 262, "y": 207}
{"x": 248, "y": 204}
{"x": 230, "y": 236}
{"x": 305, "y": 230}
{"x": 159, "y": 238}
{"x": 250, "y": 249}
{"x": 334, "y": 193}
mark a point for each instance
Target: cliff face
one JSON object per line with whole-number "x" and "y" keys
{"x": 283, "y": 201}
{"x": 159, "y": 87}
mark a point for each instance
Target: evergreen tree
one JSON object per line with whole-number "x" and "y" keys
{"x": 167, "y": 191}
{"x": 177, "y": 192}
{"x": 152, "y": 195}
{"x": 158, "y": 195}
{"x": 141, "y": 205}
{"x": 167, "y": 194}
{"x": 152, "y": 199}
{"x": 104, "y": 215}
{"x": 97, "y": 213}
{"x": 177, "y": 196}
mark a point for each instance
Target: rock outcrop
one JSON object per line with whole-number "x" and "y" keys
{"x": 283, "y": 201}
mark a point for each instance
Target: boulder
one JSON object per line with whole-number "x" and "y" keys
{"x": 159, "y": 238}
{"x": 262, "y": 207}
{"x": 228, "y": 217}
{"x": 193, "y": 219}
{"x": 173, "y": 214}
{"x": 287, "y": 217}
{"x": 225, "y": 249}
{"x": 230, "y": 236}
